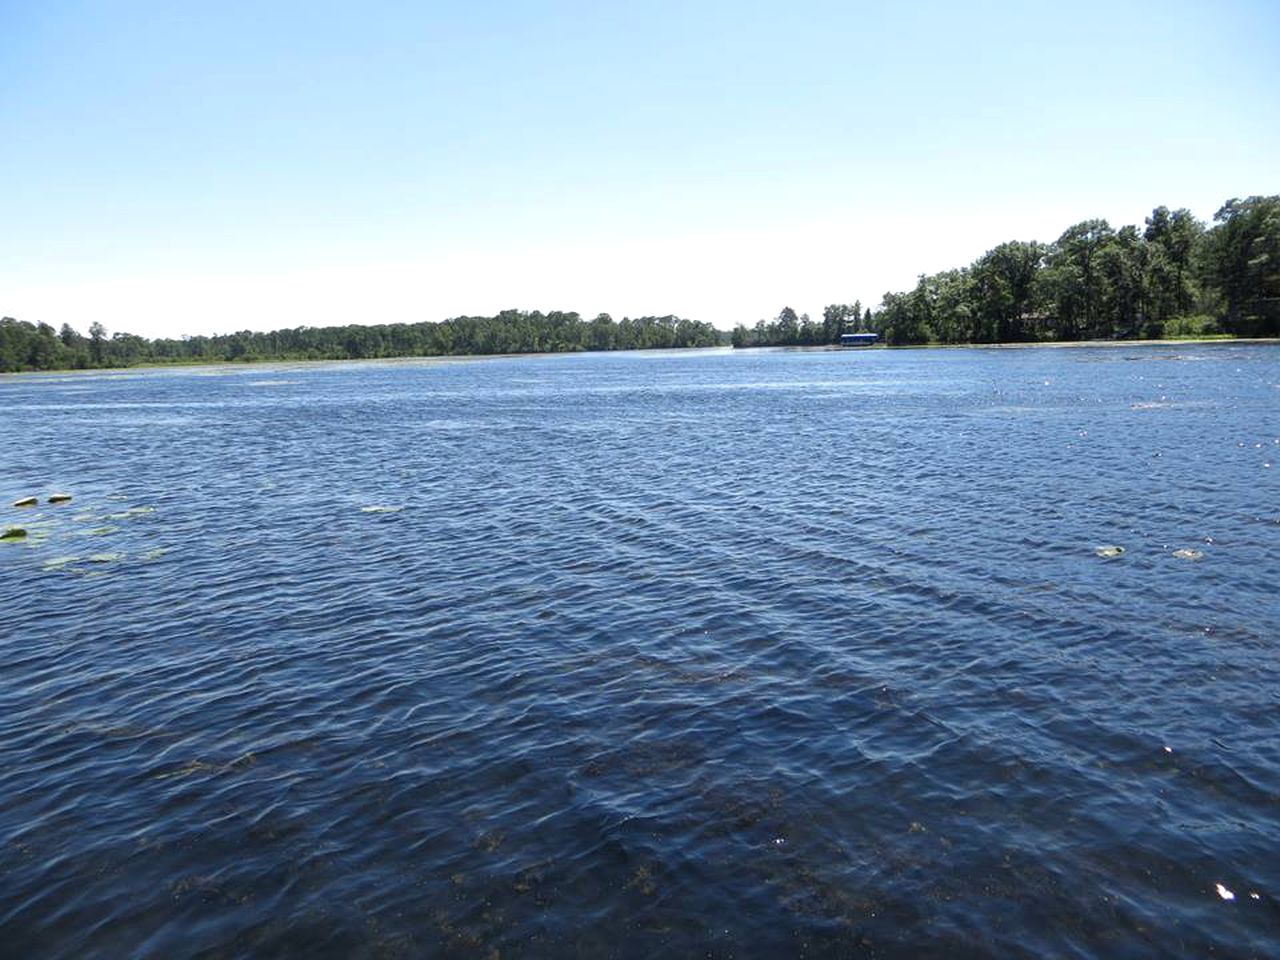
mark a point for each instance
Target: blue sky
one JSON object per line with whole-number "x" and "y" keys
{"x": 195, "y": 167}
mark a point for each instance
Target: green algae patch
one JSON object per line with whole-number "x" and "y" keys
{"x": 1109, "y": 551}
{"x": 31, "y": 536}
{"x": 130, "y": 513}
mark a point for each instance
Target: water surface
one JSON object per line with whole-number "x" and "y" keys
{"x": 729, "y": 654}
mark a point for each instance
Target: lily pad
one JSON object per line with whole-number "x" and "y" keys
{"x": 1109, "y": 552}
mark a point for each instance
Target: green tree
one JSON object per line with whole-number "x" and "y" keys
{"x": 787, "y": 327}
{"x": 1123, "y": 265}
{"x": 1004, "y": 282}
{"x": 1073, "y": 279}
{"x": 838, "y": 318}
{"x": 1241, "y": 259}
{"x": 97, "y": 342}
{"x": 1172, "y": 239}
{"x": 902, "y": 317}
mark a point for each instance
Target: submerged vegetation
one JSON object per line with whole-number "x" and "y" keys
{"x": 1172, "y": 278}
{"x": 24, "y": 346}
{"x": 1175, "y": 277}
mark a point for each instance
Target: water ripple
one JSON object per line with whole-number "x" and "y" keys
{"x": 760, "y": 653}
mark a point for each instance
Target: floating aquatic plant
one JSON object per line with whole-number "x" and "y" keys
{"x": 131, "y": 512}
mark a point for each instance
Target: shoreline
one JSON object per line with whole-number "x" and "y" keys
{"x": 1024, "y": 344}
{"x": 1063, "y": 344}
{"x": 249, "y": 365}
{"x": 471, "y": 357}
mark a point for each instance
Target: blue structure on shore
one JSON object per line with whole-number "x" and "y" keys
{"x": 858, "y": 339}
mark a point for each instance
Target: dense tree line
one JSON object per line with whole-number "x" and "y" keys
{"x": 25, "y": 346}
{"x": 787, "y": 329}
{"x": 1174, "y": 277}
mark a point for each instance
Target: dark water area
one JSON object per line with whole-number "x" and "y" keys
{"x": 753, "y": 654}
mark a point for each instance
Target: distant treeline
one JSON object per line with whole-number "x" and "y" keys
{"x": 24, "y": 346}
{"x": 1174, "y": 277}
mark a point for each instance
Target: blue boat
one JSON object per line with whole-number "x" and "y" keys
{"x": 858, "y": 339}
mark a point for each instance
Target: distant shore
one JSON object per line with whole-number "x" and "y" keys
{"x": 1026, "y": 344}
{"x": 286, "y": 364}
{"x": 274, "y": 364}
{"x": 1022, "y": 344}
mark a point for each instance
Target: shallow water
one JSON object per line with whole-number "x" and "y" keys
{"x": 766, "y": 653}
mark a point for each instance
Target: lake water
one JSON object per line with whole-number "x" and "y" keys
{"x": 753, "y": 654}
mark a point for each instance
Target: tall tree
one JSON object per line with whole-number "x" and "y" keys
{"x": 1241, "y": 258}
{"x": 1003, "y": 285}
{"x": 834, "y": 317}
{"x": 1074, "y": 281}
{"x": 1123, "y": 265}
{"x": 788, "y": 326}
{"x": 97, "y": 341}
{"x": 1172, "y": 239}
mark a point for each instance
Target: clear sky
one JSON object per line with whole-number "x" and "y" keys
{"x": 192, "y": 167}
